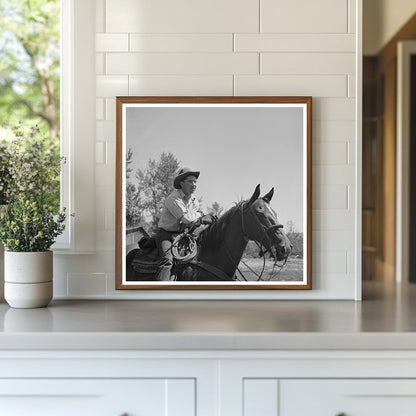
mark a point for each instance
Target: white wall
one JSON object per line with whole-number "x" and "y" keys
{"x": 233, "y": 47}
{"x": 381, "y": 20}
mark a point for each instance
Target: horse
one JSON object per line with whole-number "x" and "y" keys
{"x": 221, "y": 244}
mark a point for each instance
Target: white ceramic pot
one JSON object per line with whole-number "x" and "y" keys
{"x": 28, "y": 279}
{"x": 2, "y": 210}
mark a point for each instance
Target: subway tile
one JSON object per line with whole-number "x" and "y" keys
{"x": 330, "y": 197}
{"x": 100, "y": 156}
{"x": 339, "y": 286}
{"x": 351, "y": 196}
{"x": 294, "y": 42}
{"x": 307, "y": 63}
{"x": 99, "y": 109}
{"x": 110, "y": 109}
{"x": 105, "y": 131}
{"x": 111, "y": 86}
{"x": 99, "y": 64}
{"x": 182, "y": 63}
{"x": 333, "y": 130}
{"x": 105, "y": 175}
{"x": 60, "y": 284}
{"x": 111, "y": 284}
{"x": 352, "y": 16}
{"x": 327, "y": 241}
{"x": 183, "y": 42}
{"x": 333, "y": 262}
{"x": 110, "y": 153}
{"x": 105, "y": 240}
{"x": 100, "y": 15}
{"x": 86, "y": 284}
{"x": 163, "y": 16}
{"x": 181, "y": 85}
{"x": 310, "y": 85}
{"x": 351, "y": 86}
{"x": 109, "y": 218}
{"x": 333, "y": 175}
{"x": 92, "y": 263}
{"x": 351, "y": 261}
{"x": 100, "y": 218}
{"x": 112, "y": 42}
{"x": 351, "y": 153}
{"x": 333, "y": 220}
{"x": 104, "y": 196}
{"x": 330, "y": 153}
{"x": 340, "y": 109}
{"x": 300, "y": 16}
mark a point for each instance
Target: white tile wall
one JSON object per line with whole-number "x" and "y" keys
{"x": 182, "y": 16}
{"x": 300, "y": 16}
{"x": 181, "y": 63}
{"x": 100, "y": 64}
{"x": 314, "y": 85}
{"x": 283, "y": 42}
{"x": 330, "y": 153}
{"x": 86, "y": 284}
{"x": 174, "y": 42}
{"x": 181, "y": 85}
{"x": 330, "y": 196}
{"x": 332, "y": 220}
{"x": 310, "y": 63}
{"x": 232, "y": 47}
{"x": 112, "y": 42}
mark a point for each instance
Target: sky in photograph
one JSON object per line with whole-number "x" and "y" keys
{"x": 234, "y": 148}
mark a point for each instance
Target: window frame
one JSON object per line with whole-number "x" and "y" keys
{"x": 77, "y": 100}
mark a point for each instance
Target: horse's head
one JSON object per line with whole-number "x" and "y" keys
{"x": 261, "y": 224}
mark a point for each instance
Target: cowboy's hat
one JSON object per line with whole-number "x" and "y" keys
{"x": 182, "y": 174}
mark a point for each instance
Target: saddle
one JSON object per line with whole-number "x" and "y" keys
{"x": 146, "y": 260}
{"x": 184, "y": 251}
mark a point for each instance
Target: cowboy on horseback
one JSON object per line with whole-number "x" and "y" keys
{"x": 181, "y": 210}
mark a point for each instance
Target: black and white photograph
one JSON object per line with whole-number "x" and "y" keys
{"x": 213, "y": 193}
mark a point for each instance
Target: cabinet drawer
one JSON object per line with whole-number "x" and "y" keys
{"x": 86, "y": 397}
{"x": 349, "y": 397}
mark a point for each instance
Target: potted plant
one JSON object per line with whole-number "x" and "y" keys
{"x": 5, "y": 179}
{"x": 28, "y": 229}
{"x": 32, "y": 219}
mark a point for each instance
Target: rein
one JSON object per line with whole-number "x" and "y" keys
{"x": 265, "y": 231}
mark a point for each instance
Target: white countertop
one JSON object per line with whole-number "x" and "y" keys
{"x": 384, "y": 320}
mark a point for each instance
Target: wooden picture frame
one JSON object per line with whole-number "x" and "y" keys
{"x": 236, "y": 144}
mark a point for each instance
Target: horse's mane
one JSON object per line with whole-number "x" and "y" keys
{"x": 213, "y": 235}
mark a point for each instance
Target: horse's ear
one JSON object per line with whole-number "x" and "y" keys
{"x": 255, "y": 195}
{"x": 268, "y": 197}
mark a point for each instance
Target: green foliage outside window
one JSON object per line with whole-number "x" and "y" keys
{"x": 30, "y": 83}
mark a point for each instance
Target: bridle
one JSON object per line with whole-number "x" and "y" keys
{"x": 265, "y": 235}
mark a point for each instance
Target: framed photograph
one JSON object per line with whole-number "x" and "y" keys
{"x": 213, "y": 193}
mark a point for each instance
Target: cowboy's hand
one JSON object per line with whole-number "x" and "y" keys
{"x": 208, "y": 219}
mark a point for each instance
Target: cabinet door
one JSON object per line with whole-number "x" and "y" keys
{"x": 347, "y": 397}
{"x": 111, "y": 397}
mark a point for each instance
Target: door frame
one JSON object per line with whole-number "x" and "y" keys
{"x": 404, "y": 51}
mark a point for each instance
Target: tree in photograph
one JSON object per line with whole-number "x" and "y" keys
{"x": 290, "y": 227}
{"x": 216, "y": 209}
{"x": 133, "y": 208}
{"x": 295, "y": 237}
{"x": 155, "y": 183}
{"x": 30, "y": 63}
